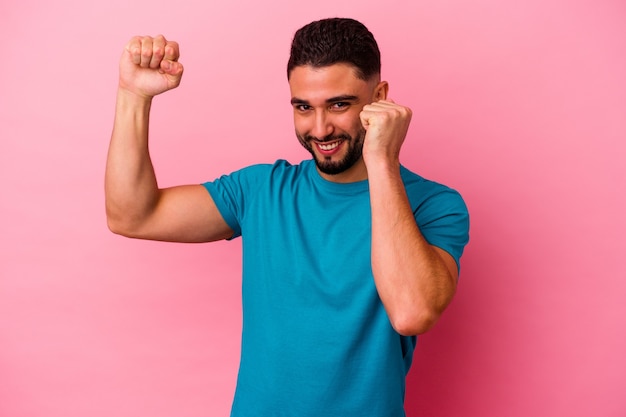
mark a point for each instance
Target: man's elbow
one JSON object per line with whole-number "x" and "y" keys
{"x": 117, "y": 227}
{"x": 120, "y": 225}
{"x": 414, "y": 324}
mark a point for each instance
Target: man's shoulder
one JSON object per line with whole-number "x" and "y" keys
{"x": 424, "y": 192}
{"x": 279, "y": 167}
{"x": 253, "y": 178}
{"x": 414, "y": 180}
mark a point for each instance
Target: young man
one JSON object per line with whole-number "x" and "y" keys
{"x": 347, "y": 256}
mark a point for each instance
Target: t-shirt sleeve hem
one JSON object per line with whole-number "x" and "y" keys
{"x": 227, "y": 214}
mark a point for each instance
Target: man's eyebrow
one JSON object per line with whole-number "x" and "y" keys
{"x": 296, "y": 100}
{"x": 344, "y": 97}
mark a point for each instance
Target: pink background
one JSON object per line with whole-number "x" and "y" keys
{"x": 521, "y": 106}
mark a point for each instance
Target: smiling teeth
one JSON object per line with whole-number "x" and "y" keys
{"x": 328, "y": 146}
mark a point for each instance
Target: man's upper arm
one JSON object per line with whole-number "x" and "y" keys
{"x": 184, "y": 214}
{"x": 450, "y": 262}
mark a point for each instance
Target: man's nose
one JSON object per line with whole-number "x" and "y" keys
{"x": 322, "y": 126}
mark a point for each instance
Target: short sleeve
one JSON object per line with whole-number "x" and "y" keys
{"x": 443, "y": 219}
{"x": 232, "y": 192}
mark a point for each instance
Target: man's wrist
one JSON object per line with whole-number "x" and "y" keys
{"x": 382, "y": 163}
{"x": 133, "y": 106}
{"x": 133, "y": 98}
{"x": 383, "y": 170}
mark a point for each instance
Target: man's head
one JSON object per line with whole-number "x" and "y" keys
{"x": 333, "y": 72}
{"x": 332, "y": 41}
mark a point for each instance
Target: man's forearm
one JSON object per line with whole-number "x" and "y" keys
{"x": 413, "y": 281}
{"x": 130, "y": 184}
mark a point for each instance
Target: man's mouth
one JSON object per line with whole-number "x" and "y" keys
{"x": 328, "y": 147}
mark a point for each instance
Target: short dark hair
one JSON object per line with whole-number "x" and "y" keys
{"x": 332, "y": 41}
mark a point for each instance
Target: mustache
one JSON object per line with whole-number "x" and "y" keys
{"x": 329, "y": 138}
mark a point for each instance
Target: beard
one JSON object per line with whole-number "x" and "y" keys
{"x": 326, "y": 164}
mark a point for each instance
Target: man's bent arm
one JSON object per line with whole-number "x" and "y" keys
{"x": 415, "y": 280}
{"x": 135, "y": 206}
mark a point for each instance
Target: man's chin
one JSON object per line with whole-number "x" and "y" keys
{"x": 332, "y": 167}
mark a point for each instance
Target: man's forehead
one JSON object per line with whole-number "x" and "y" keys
{"x": 312, "y": 73}
{"x": 321, "y": 83}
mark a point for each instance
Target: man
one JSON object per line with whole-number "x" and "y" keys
{"x": 347, "y": 256}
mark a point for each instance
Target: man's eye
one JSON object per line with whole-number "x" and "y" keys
{"x": 303, "y": 107}
{"x": 340, "y": 105}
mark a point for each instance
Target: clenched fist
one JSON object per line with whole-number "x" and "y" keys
{"x": 386, "y": 124}
{"x": 149, "y": 66}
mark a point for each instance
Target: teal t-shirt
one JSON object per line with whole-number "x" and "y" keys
{"x": 316, "y": 338}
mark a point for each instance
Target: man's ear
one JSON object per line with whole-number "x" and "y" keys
{"x": 381, "y": 91}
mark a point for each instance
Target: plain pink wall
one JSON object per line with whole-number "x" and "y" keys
{"x": 521, "y": 106}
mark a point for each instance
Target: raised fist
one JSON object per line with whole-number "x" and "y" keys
{"x": 149, "y": 66}
{"x": 386, "y": 124}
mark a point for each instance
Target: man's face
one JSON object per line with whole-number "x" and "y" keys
{"x": 327, "y": 102}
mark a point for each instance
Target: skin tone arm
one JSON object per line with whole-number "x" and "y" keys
{"x": 415, "y": 280}
{"x": 135, "y": 206}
